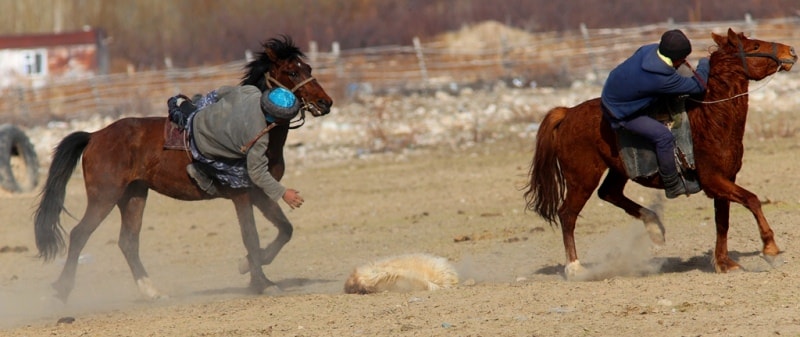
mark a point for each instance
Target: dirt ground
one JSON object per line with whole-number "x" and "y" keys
{"x": 359, "y": 210}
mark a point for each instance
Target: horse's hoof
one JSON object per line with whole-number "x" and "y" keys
{"x": 653, "y": 226}
{"x": 244, "y": 266}
{"x": 259, "y": 285}
{"x": 149, "y": 291}
{"x": 573, "y": 271}
{"x": 62, "y": 293}
{"x": 61, "y": 297}
{"x": 727, "y": 266}
{"x": 656, "y": 235}
{"x": 272, "y": 290}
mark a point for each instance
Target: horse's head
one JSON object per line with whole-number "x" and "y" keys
{"x": 281, "y": 64}
{"x": 759, "y": 58}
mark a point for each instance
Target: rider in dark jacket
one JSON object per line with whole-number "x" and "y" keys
{"x": 651, "y": 72}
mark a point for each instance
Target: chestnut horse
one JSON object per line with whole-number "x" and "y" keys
{"x": 126, "y": 159}
{"x": 574, "y": 147}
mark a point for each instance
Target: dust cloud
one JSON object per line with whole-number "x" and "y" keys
{"x": 625, "y": 251}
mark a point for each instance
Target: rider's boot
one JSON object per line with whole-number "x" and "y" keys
{"x": 202, "y": 179}
{"x": 673, "y": 185}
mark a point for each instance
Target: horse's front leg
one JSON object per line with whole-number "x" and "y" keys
{"x": 273, "y": 212}
{"x": 247, "y": 225}
{"x": 722, "y": 262}
{"x": 751, "y": 202}
{"x": 735, "y": 193}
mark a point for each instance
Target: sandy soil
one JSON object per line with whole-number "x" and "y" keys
{"x": 359, "y": 210}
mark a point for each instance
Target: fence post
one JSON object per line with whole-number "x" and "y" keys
{"x": 750, "y": 26}
{"x": 421, "y": 58}
{"x": 93, "y": 83}
{"x": 505, "y": 65}
{"x": 313, "y": 52}
{"x": 585, "y": 34}
{"x": 337, "y": 60}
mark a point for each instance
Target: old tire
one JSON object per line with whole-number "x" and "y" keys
{"x": 14, "y": 142}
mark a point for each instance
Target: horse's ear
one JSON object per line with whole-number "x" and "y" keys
{"x": 271, "y": 55}
{"x": 719, "y": 39}
{"x": 733, "y": 37}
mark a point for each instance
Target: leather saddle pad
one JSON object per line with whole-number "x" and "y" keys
{"x": 175, "y": 138}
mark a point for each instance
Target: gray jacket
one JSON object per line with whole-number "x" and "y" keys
{"x": 222, "y": 128}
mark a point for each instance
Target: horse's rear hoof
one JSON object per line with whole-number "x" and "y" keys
{"x": 574, "y": 271}
{"x": 656, "y": 235}
{"x": 148, "y": 290}
{"x": 272, "y": 290}
{"x": 62, "y": 293}
{"x": 244, "y": 266}
{"x": 654, "y": 227}
{"x": 61, "y": 297}
{"x": 261, "y": 285}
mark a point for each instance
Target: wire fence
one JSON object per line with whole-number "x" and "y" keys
{"x": 501, "y": 54}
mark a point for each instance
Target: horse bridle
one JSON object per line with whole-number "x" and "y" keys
{"x": 305, "y": 106}
{"x": 742, "y": 55}
{"x": 773, "y": 56}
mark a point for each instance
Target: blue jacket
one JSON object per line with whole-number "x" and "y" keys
{"x": 640, "y": 79}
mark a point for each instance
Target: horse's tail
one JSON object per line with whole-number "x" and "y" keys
{"x": 546, "y": 189}
{"x": 47, "y": 226}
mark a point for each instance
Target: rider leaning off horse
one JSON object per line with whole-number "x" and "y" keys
{"x": 650, "y": 73}
{"x": 228, "y": 139}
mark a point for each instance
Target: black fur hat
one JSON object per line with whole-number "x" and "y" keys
{"x": 675, "y": 45}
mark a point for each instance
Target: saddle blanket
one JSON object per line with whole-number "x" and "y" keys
{"x": 639, "y": 155}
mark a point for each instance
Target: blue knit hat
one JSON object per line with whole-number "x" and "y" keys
{"x": 279, "y": 103}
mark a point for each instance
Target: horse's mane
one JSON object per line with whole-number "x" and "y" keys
{"x": 725, "y": 80}
{"x": 282, "y": 47}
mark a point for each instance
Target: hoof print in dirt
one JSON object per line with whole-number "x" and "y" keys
{"x": 19, "y": 165}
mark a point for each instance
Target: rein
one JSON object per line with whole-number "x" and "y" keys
{"x": 244, "y": 148}
{"x": 269, "y": 80}
{"x": 737, "y": 95}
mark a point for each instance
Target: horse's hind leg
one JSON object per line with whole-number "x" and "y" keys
{"x": 96, "y": 210}
{"x": 612, "y": 191}
{"x": 273, "y": 212}
{"x": 580, "y": 186}
{"x": 247, "y": 225}
{"x": 131, "y": 207}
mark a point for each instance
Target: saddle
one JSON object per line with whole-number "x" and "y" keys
{"x": 175, "y": 137}
{"x": 639, "y": 155}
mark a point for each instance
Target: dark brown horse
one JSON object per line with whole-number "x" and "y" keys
{"x": 126, "y": 159}
{"x": 574, "y": 146}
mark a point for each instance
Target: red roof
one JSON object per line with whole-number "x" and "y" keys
{"x": 47, "y": 40}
